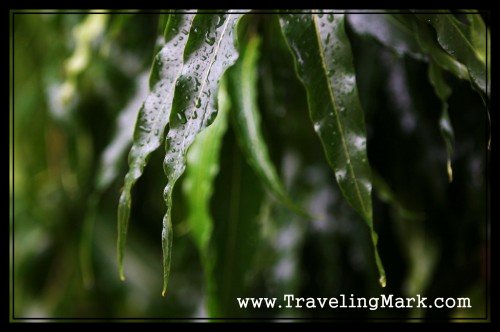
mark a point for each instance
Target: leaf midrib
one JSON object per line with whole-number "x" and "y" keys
{"x": 216, "y": 50}
{"x": 161, "y": 113}
{"x": 337, "y": 117}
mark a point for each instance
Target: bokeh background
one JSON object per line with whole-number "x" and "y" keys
{"x": 78, "y": 78}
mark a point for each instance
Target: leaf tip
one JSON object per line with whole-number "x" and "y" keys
{"x": 450, "y": 171}
{"x": 122, "y": 274}
{"x": 383, "y": 281}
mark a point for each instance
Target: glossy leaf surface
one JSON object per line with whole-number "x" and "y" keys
{"x": 210, "y": 50}
{"x": 324, "y": 63}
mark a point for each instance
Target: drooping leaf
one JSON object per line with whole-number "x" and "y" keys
{"x": 443, "y": 92}
{"x": 430, "y": 45}
{"x": 153, "y": 116}
{"x": 202, "y": 167}
{"x": 107, "y": 172}
{"x": 389, "y": 31}
{"x": 209, "y": 51}
{"x": 243, "y": 90}
{"x": 455, "y": 37}
{"x": 324, "y": 63}
{"x": 110, "y": 159}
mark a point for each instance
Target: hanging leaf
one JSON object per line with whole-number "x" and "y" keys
{"x": 203, "y": 166}
{"x": 323, "y": 62}
{"x": 243, "y": 90}
{"x": 153, "y": 116}
{"x": 429, "y": 44}
{"x": 389, "y": 31}
{"x": 443, "y": 91}
{"x": 109, "y": 164}
{"x": 455, "y": 37}
{"x": 210, "y": 50}
{"x": 108, "y": 171}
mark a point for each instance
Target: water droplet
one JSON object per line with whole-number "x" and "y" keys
{"x": 220, "y": 21}
{"x": 184, "y": 31}
{"x": 182, "y": 117}
{"x": 210, "y": 40}
{"x": 195, "y": 114}
{"x": 329, "y": 17}
{"x": 197, "y": 104}
{"x": 211, "y": 118}
{"x": 145, "y": 129}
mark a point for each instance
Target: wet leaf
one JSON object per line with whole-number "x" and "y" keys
{"x": 324, "y": 63}
{"x": 209, "y": 51}
{"x": 203, "y": 166}
{"x": 429, "y": 44}
{"x": 456, "y": 38}
{"x": 109, "y": 166}
{"x": 153, "y": 117}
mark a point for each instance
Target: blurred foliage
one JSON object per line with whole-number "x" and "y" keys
{"x": 79, "y": 80}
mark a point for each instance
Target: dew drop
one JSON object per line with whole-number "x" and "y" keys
{"x": 210, "y": 40}
{"x": 182, "y": 117}
{"x": 220, "y": 21}
{"x": 211, "y": 118}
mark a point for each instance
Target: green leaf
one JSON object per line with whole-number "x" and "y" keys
{"x": 389, "y": 31}
{"x": 153, "y": 117}
{"x": 324, "y": 63}
{"x": 209, "y": 51}
{"x": 443, "y": 91}
{"x": 478, "y": 34}
{"x": 243, "y": 90}
{"x": 203, "y": 166}
{"x": 237, "y": 231}
{"x": 109, "y": 165}
{"x": 455, "y": 37}
{"x": 429, "y": 44}
{"x": 107, "y": 172}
